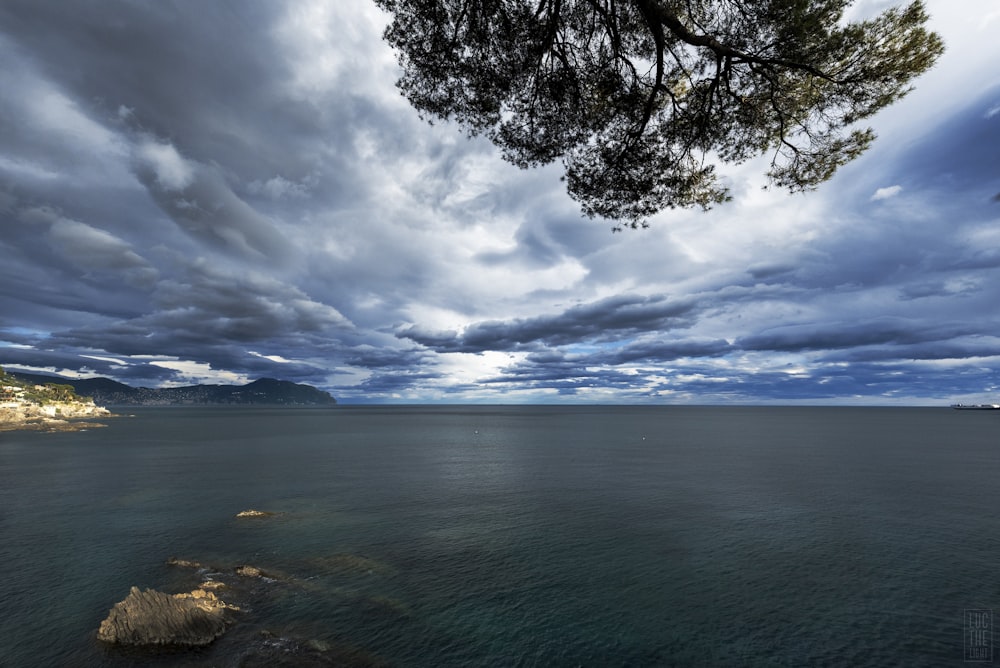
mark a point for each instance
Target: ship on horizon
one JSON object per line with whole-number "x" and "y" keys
{"x": 976, "y": 407}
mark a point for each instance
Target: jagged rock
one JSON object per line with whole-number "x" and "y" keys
{"x": 154, "y": 618}
{"x": 183, "y": 563}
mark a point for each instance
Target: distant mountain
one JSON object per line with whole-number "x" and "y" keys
{"x": 266, "y": 391}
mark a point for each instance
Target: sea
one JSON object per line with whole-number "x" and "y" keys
{"x": 513, "y": 536}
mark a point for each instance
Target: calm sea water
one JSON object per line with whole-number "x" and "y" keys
{"x": 505, "y": 536}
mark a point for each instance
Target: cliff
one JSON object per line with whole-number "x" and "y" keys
{"x": 44, "y": 406}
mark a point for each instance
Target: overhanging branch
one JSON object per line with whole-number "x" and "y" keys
{"x": 673, "y": 23}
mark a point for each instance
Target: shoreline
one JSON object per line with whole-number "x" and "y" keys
{"x": 59, "y": 417}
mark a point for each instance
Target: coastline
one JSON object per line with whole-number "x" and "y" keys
{"x": 53, "y": 416}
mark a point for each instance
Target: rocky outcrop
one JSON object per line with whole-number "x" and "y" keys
{"x": 154, "y": 618}
{"x": 146, "y": 621}
{"x": 54, "y": 416}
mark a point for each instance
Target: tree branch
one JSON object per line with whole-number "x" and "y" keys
{"x": 673, "y": 23}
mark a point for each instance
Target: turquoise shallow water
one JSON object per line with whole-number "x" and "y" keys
{"x": 503, "y": 536}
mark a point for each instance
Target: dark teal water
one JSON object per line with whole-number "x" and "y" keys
{"x": 503, "y": 536}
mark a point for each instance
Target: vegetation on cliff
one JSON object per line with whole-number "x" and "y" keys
{"x": 25, "y": 404}
{"x": 262, "y": 392}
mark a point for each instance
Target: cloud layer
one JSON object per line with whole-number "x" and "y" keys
{"x": 220, "y": 192}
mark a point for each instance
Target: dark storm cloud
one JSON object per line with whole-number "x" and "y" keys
{"x": 547, "y": 235}
{"x": 566, "y": 377}
{"x": 838, "y": 335}
{"x": 554, "y": 363}
{"x": 972, "y": 258}
{"x": 256, "y": 305}
{"x": 965, "y": 153}
{"x": 933, "y": 289}
{"x": 17, "y": 338}
{"x": 768, "y": 272}
{"x": 383, "y": 385}
{"x": 182, "y": 120}
{"x": 554, "y": 369}
{"x": 91, "y": 249}
{"x": 68, "y": 360}
{"x": 370, "y": 357}
{"x": 33, "y": 357}
{"x": 198, "y": 200}
{"x": 546, "y": 368}
{"x": 235, "y": 189}
{"x": 176, "y": 77}
{"x": 961, "y": 348}
{"x": 823, "y": 383}
{"x": 602, "y": 320}
{"x": 664, "y": 351}
{"x": 213, "y": 306}
{"x": 60, "y": 263}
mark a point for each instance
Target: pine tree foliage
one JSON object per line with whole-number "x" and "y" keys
{"x": 640, "y": 99}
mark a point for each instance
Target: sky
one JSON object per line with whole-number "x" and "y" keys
{"x": 214, "y": 192}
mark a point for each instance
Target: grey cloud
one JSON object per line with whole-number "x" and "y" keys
{"x": 218, "y": 307}
{"x": 278, "y": 187}
{"x": 200, "y": 202}
{"x": 959, "y": 348}
{"x": 972, "y": 257}
{"x": 923, "y": 290}
{"x": 768, "y": 271}
{"x": 660, "y": 351}
{"x": 554, "y": 369}
{"x": 135, "y": 372}
{"x": 964, "y": 147}
{"x": 382, "y": 385}
{"x": 706, "y": 383}
{"x": 96, "y": 250}
{"x": 840, "y": 335}
{"x": 549, "y": 233}
{"x": 118, "y": 54}
{"x": 564, "y": 377}
{"x": 597, "y": 321}
{"x": 371, "y": 357}
{"x": 222, "y": 94}
{"x": 193, "y": 181}
{"x": 217, "y": 314}
{"x": 66, "y": 360}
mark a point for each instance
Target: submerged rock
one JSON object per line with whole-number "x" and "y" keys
{"x": 383, "y": 605}
{"x": 154, "y": 618}
{"x": 277, "y": 651}
{"x": 351, "y": 564}
{"x": 248, "y": 571}
{"x": 255, "y": 513}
